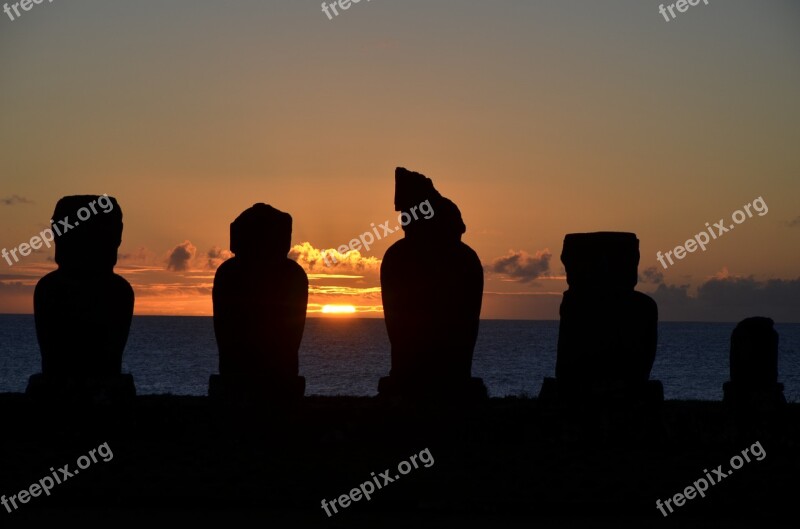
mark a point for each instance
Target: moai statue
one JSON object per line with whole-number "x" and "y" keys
{"x": 608, "y": 331}
{"x": 260, "y": 298}
{"x": 432, "y": 290}
{"x": 754, "y": 366}
{"x": 83, "y": 310}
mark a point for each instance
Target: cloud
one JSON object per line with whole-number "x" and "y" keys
{"x": 773, "y": 294}
{"x": 307, "y": 256}
{"x": 336, "y": 290}
{"x": 723, "y": 274}
{"x": 729, "y": 298}
{"x": 172, "y": 290}
{"x": 17, "y": 277}
{"x": 216, "y": 256}
{"x": 651, "y": 275}
{"x": 311, "y": 259}
{"x": 184, "y": 257}
{"x": 14, "y": 200}
{"x": 140, "y": 256}
{"x": 521, "y": 266}
{"x": 181, "y": 256}
{"x": 669, "y": 295}
{"x": 16, "y": 287}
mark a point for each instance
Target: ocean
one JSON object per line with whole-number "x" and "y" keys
{"x": 347, "y": 356}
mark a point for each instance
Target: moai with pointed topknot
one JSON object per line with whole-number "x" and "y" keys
{"x": 432, "y": 290}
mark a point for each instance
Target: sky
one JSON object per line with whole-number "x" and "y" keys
{"x": 537, "y": 118}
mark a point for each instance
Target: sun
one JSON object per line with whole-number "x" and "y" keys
{"x": 338, "y": 309}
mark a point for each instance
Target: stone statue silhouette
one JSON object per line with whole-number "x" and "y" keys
{"x": 83, "y": 310}
{"x": 432, "y": 288}
{"x": 608, "y": 331}
{"x": 754, "y": 367}
{"x": 260, "y": 298}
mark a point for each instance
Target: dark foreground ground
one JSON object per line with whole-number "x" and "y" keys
{"x": 510, "y": 463}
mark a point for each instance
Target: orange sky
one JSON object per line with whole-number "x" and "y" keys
{"x": 537, "y": 118}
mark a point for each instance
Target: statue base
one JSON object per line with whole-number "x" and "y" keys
{"x": 65, "y": 389}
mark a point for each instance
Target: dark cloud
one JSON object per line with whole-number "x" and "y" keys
{"x": 181, "y": 257}
{"x": 651, "y": 275}
{"x": 521, "y": 266}
{"x": 731, "y": 299}
{"x": 668, "y": 295}
{"x": 14, "y": 200}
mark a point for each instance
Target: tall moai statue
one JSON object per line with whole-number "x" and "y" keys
{"x": 754, "y": 366}
{"x": 432, "y": 290}
{"x": 260, "y": 298}
{"x": 83, "y": 310}
{"x": 608, "y": 331}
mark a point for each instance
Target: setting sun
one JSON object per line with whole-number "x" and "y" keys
{"x": 338, "y": 309}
